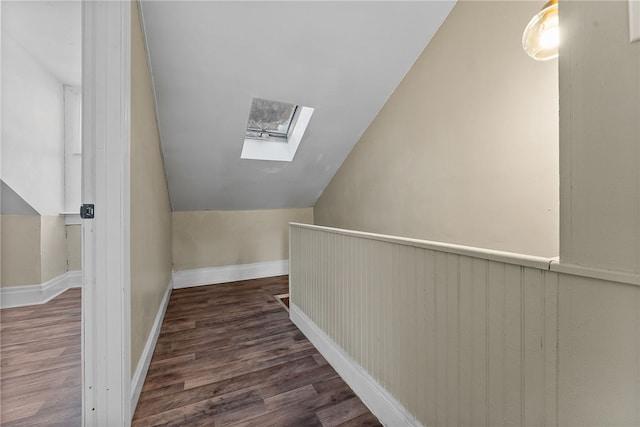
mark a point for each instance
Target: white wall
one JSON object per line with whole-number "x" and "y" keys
{"x": 72, "y": 148}
{"x": 33, "y": 163}
{"x": 32, "y": 129}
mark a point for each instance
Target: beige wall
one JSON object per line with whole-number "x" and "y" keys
{"x": 598, "y": 352}
{"x": 600, "y": 137}
{"x": 34, "y": 249}
{"x": 74, "y": 247}
{"x": 216, "y": 238}
{"x": 150, "y": 206}
{"x": 20, "y": 250}
{"x": 53, "y": 253}
{"x": 466, "y": 149}
{"x": 506, "y": 344}
{"x": 599, "y": 331}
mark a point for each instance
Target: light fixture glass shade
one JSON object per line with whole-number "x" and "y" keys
{"x": 541, "y": 38}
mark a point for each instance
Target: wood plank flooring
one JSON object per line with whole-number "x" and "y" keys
{"x": 40, "y": 363}
{"x": 228, "y": 355}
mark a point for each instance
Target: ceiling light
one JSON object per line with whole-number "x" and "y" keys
{"x": 541, "y": 38}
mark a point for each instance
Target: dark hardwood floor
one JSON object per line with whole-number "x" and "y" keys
{"x": 228, "y": 355}
{"x": 40, "y": 364}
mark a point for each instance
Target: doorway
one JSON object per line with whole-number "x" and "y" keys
{"x": 105, "y": 73}
{"x": 41, "y": 278}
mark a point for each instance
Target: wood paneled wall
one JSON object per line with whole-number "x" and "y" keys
{"x": 464, "y": 336}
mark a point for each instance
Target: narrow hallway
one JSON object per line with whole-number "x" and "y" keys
{"x": 229, "y": 355}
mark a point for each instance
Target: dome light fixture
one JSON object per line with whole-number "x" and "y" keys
{"x": 541, "y": 37}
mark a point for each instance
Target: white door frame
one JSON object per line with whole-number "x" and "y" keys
{"x": 106, "y": 343}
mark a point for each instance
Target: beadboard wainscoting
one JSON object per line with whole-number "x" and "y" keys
{"x": 466, "y": 336}
{"x": 19, "y": 296}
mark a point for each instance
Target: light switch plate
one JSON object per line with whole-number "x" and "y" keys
{"x": 634, "y": 20}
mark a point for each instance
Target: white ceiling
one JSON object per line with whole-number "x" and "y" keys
{"x": 209, "y": 59}
{"x": 50, "y": 31}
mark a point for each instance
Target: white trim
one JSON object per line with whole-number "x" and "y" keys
{"x": 137, "y": 381}
{"x": 72, "y": 218}
{"x": 380, "y": 402}
{"x": 595, "y": 273}
{"x": 106, "y": 259}
{"x": 20, "y": 296}
{"x": 229, "y": 273}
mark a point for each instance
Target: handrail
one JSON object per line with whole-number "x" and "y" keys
{"x": 541, "y": 263}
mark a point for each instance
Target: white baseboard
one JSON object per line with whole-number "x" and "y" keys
{"x": 20, "y": 296}
{"x": 229, "y": 273}
{"x": 137, "y": 381}
{"x": 389, "y": 411}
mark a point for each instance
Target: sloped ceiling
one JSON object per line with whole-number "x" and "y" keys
{"x": 209, "y": 59}
{"x": 51, "y": 31}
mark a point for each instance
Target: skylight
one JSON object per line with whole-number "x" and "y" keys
{"x": 274, "y": 130}
{"x": 270, "y": 119}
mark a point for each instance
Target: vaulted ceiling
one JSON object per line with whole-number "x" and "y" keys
{"x": 209, "y": 59}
